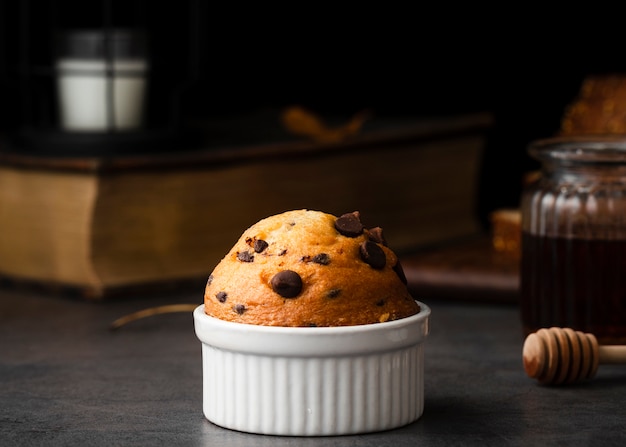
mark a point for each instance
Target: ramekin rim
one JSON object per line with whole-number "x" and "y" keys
{"x": 365, "y": 339}
{"x": 424, "y": 313}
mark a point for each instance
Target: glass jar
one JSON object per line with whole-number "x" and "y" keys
{"x": 573, "y": 266}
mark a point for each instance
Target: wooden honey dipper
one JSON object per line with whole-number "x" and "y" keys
{"x": 557, "y": 356}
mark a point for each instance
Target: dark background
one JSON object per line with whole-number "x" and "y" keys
{"x": 215, "y": 60}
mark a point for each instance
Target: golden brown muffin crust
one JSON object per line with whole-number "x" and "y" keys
{"x": 338, "y": 274}
{"x": 599, "y": 108}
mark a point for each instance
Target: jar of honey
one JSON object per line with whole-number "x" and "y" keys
{"x": 573, "y": 262}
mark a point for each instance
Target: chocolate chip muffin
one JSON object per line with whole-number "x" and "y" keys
{"x": 599, "y": 108}
{"x": 307, "y": 268}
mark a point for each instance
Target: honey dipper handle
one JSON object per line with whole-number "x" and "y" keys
{"x": 612, "y": 354}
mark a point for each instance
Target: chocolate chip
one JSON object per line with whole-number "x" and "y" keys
{"x": 221, "y": 296}
{"x": 322, "y": 259}
{"x": 282, "y": 252}
{"x": 245, "y": 256}
{"x": 333, "y": 293}
{"x": 349, "y": 224}
{"x": 239, "y": 308}
{"x": 287, "y": 284}
{"x": 209, "y": 281}
{"x": 372, "y": 254}
{"x": 259, "y": 245}
{"x": 400, "y": 272}
{"x": 376, "y": 235}
{"x": 380, "y": 303}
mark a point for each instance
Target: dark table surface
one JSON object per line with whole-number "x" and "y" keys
{"x": 67, "y": 379}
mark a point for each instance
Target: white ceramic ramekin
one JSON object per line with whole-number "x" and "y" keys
{"x": 312, "y": 381}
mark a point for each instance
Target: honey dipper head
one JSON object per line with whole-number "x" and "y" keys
{"x": 557, "y": 356}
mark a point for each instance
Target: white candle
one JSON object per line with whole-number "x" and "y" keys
{"x": 84, "y": 96}
{"x": 101, "y": 79}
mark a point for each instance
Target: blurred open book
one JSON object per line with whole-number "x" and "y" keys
{"x": 105, "y": 226}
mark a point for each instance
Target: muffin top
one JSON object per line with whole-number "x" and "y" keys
{"x": 306, "y": 268}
